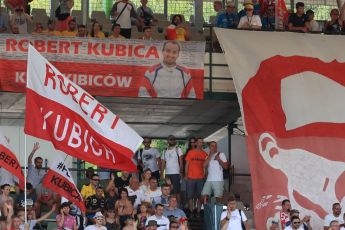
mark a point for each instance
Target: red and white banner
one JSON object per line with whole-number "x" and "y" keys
{"x": 282, "y": 15}
{"x": 9, "y": 161}
{"x": 291, "y": 89}
{"x": 59, "y": 111}
{"x": 130, "y": 68}
{"x": 59, "y": 179}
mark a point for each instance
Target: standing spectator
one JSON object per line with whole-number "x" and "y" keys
{"x": 3, "y": 22}
{"x": 218, "y": 8}
{"x": 20, "y": 20}
{"x": 172, "y": 163}
{"x": 229, "y": 18}
{"x": 116, "y": 28}
{"x": 111, "y": 193}
{"x": 145, "y": 183}
{"x": 143, "y": 215}
{"x": 63, "y": 14}
{"x": 305, "y": 221}
{"x": 45, "y": 198}
{"x": 335, "y": 215}
{"x": 173, "y": 210}
{"x": 99, "y": 223}
{"x": 313, "y": 26}
{"x": 149, "y": 157}
{"x": 5, "y": 198}
{"x": 145, "y": 14}
{"x": 13, "y": 4}
{"x": 153, "y": 192}
{"x": 95, "y": 203}
{"x": 214, "y": 164}
{"x": 176, "y": 30}
{"x": 64, "y": 220}
{"x": 135, "y": 194}
{"x": 39, "y": 30}
{"x": 96, "y": 30}
{"x": 82, "y": 31}
{"x": 195, "y": 175}
{"x": 296, "y": 224}
{"x": 71, "y": 31}
{"x": 124, "y": 207}
{"x": 282, "y": 217}
{"x": 268, "y": 18}
{"x": 111, "y": 220}
{"x": 35, "y": 173}
{"x": 336, "y": 23}
{"x": 90, "y": 189}
{"x": 123, "y": 11}
{"x": 233, "y": 218}
{"x": 147, "y": 33}
{"x": 161, "y": 220}
{"x": 50, "y": 31}
{"x": 298, "y": 21}
{"x": 250, "y": 21}
{"x": 123, "y": 180}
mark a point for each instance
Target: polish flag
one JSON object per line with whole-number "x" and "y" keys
{"x": 282, "y": 15}
{"x": 59, "y": 180}
{"x": 59, "y": 111}
{"x": 9, "y": 161}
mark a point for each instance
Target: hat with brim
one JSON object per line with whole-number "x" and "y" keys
{"x": 249, "y": 6}
{"x": 230, "y": 3}
{"x": 152, "y": 223}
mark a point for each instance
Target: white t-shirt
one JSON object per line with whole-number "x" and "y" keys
{"x": 149, "y": 158}
{"x": 235, "y": 219}
{"x": 290, "y": 228}
{"x": 152, "y": 196}
{"x": 330, "y": 217}
{"x": 255, "y": 20}
{"x": 171, "y": 156}
{"x": 138, "y": 193}
{"x": 160, "y": 221}
{"x": 125, "y": 18}
{"x": 93, "y": 227}
{"x": 31, "y": 223}
{"x": 215, "y": 170}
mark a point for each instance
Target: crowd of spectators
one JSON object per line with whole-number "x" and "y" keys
{"x": 168, "y": 190}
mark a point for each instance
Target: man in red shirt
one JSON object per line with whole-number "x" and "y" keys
{"x": 195, "y": 174}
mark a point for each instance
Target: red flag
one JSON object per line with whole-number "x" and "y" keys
{"x": 59, "y": 180}
{"x": 60, "y": 111}
{"x": 9, "y": 161}
{"x": 282, "y": 15}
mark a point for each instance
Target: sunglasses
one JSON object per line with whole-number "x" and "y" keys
{"x": 296, "y": 222}
{"x": 95, "y": 179}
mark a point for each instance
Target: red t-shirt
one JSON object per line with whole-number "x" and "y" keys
{"x": 196, "y": 159}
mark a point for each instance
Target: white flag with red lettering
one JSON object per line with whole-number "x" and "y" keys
{"x": 9, "y": 161}
{"x": 59, "y": 180}
{"x": 60, "y": 111}
{"x": 291, "y": 89}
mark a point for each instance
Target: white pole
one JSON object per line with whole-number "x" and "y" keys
{"x": 215, "y": 217}
{"x": 25, "y": 175}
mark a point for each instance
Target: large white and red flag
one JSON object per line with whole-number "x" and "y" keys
{"x": 59, "y": 179}
{"x": 291, "y": 89}
{"x": 59, "y": 111}
{"x": 9, "y": 161}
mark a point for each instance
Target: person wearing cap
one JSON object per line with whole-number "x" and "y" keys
{"x": 99, "y": 222}
{"x": 229, "y": 18}
{"x": 64, "y": 220}
{"x": 298, "y": 21}
{"x": 162, "y": 222}
{"x": 95, "y": 203}
{"x": 250, "y": 21}
{"x": 152, "y": 225}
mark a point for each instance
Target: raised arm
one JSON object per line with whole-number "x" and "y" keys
{"x": 46, "y": 216}
{"x": 34, "y": 149}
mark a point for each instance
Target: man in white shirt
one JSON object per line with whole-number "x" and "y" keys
{"x": 99, "y": 223}
{"x": 214, "y": 164}
{"x": 149, "y": 157}
{"x": 233, "y": 218}
{"x": 153, "y": 193}
{"x": 296, "y": 224}
{"x": 35, "y": 173}
{"x": 335, "y": 215}
{"x": 162, "y": 221}
{"x": 135, "y": 194}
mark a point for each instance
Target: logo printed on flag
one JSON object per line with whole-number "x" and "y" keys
{"x": 59, "y": 111}
{"x": 59, "y": 179}
{"x": 9, "y": 161}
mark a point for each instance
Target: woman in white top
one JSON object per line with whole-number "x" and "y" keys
{"x": 250, "y": 21}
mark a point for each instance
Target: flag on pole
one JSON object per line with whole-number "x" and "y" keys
{"x": 282, "y": 15}
{"x": 59, "y": 180}
{"x": 59, "y": 111}
{"x": 9, "y": 161}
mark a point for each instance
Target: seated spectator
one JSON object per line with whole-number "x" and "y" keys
{"x": 153, "y": 192}
{"x": 146, "y": 15}
{"x": 143, "y": 215}
{"x": 111, "y": 220}
{"x": 147, "y": 33}
{"x": 31, "y": 199}
{"x": 111, "y": 194}
{"x": 250, "y": 21}
{"x": 232, "y": 217}
{"x": 45, "y": 198}
{"x": 335, "y": 215}
{"x": 268, "y": 18}
{"x": 298, "y": 21}
{"x": 38, "y": 29}
{"x": 176, "y": 31}
{"x": 145, "y": 182}
{"x": 5, "y": 199}
{"x": 173, "y": 225}
{"x": 82, "y": 32}
{"x": 96, "y": 30}
{"x": 152, "y": 225}
{"x": 164, "y": 198}
{"x": 123, "y": 180}
{"x": 335, "y": 25}
{"x": 116, "y": 28}
{"x": 64, "y": 220}
{"x": 63, "y": 14}
{"x": 50, "y": 31}
{"x": 130, "y": 224}
{"x": 95, "y": 203}
{"x": 229, "y": 18}
{"x": 218, "y": 8}
{"x": 3, "y": 22}
{"x": 99, "y": 223}
{"x": 20, "y": 20}
{"x": 90, "y": 189}
{"x": 124, "y": 207}
{"x": 71, "y": 31}
{"x": 135, "y": 194}
{"x": 305, "y": 221}
{"x": 313, "y": 26}
{"x": 161, "y": 221}
{"x": 256, "y": 9}
{"x": 173, "y": 210}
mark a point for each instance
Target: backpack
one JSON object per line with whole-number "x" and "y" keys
{"x": 164, "y": 158}
{"x": 242, "y": 223}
